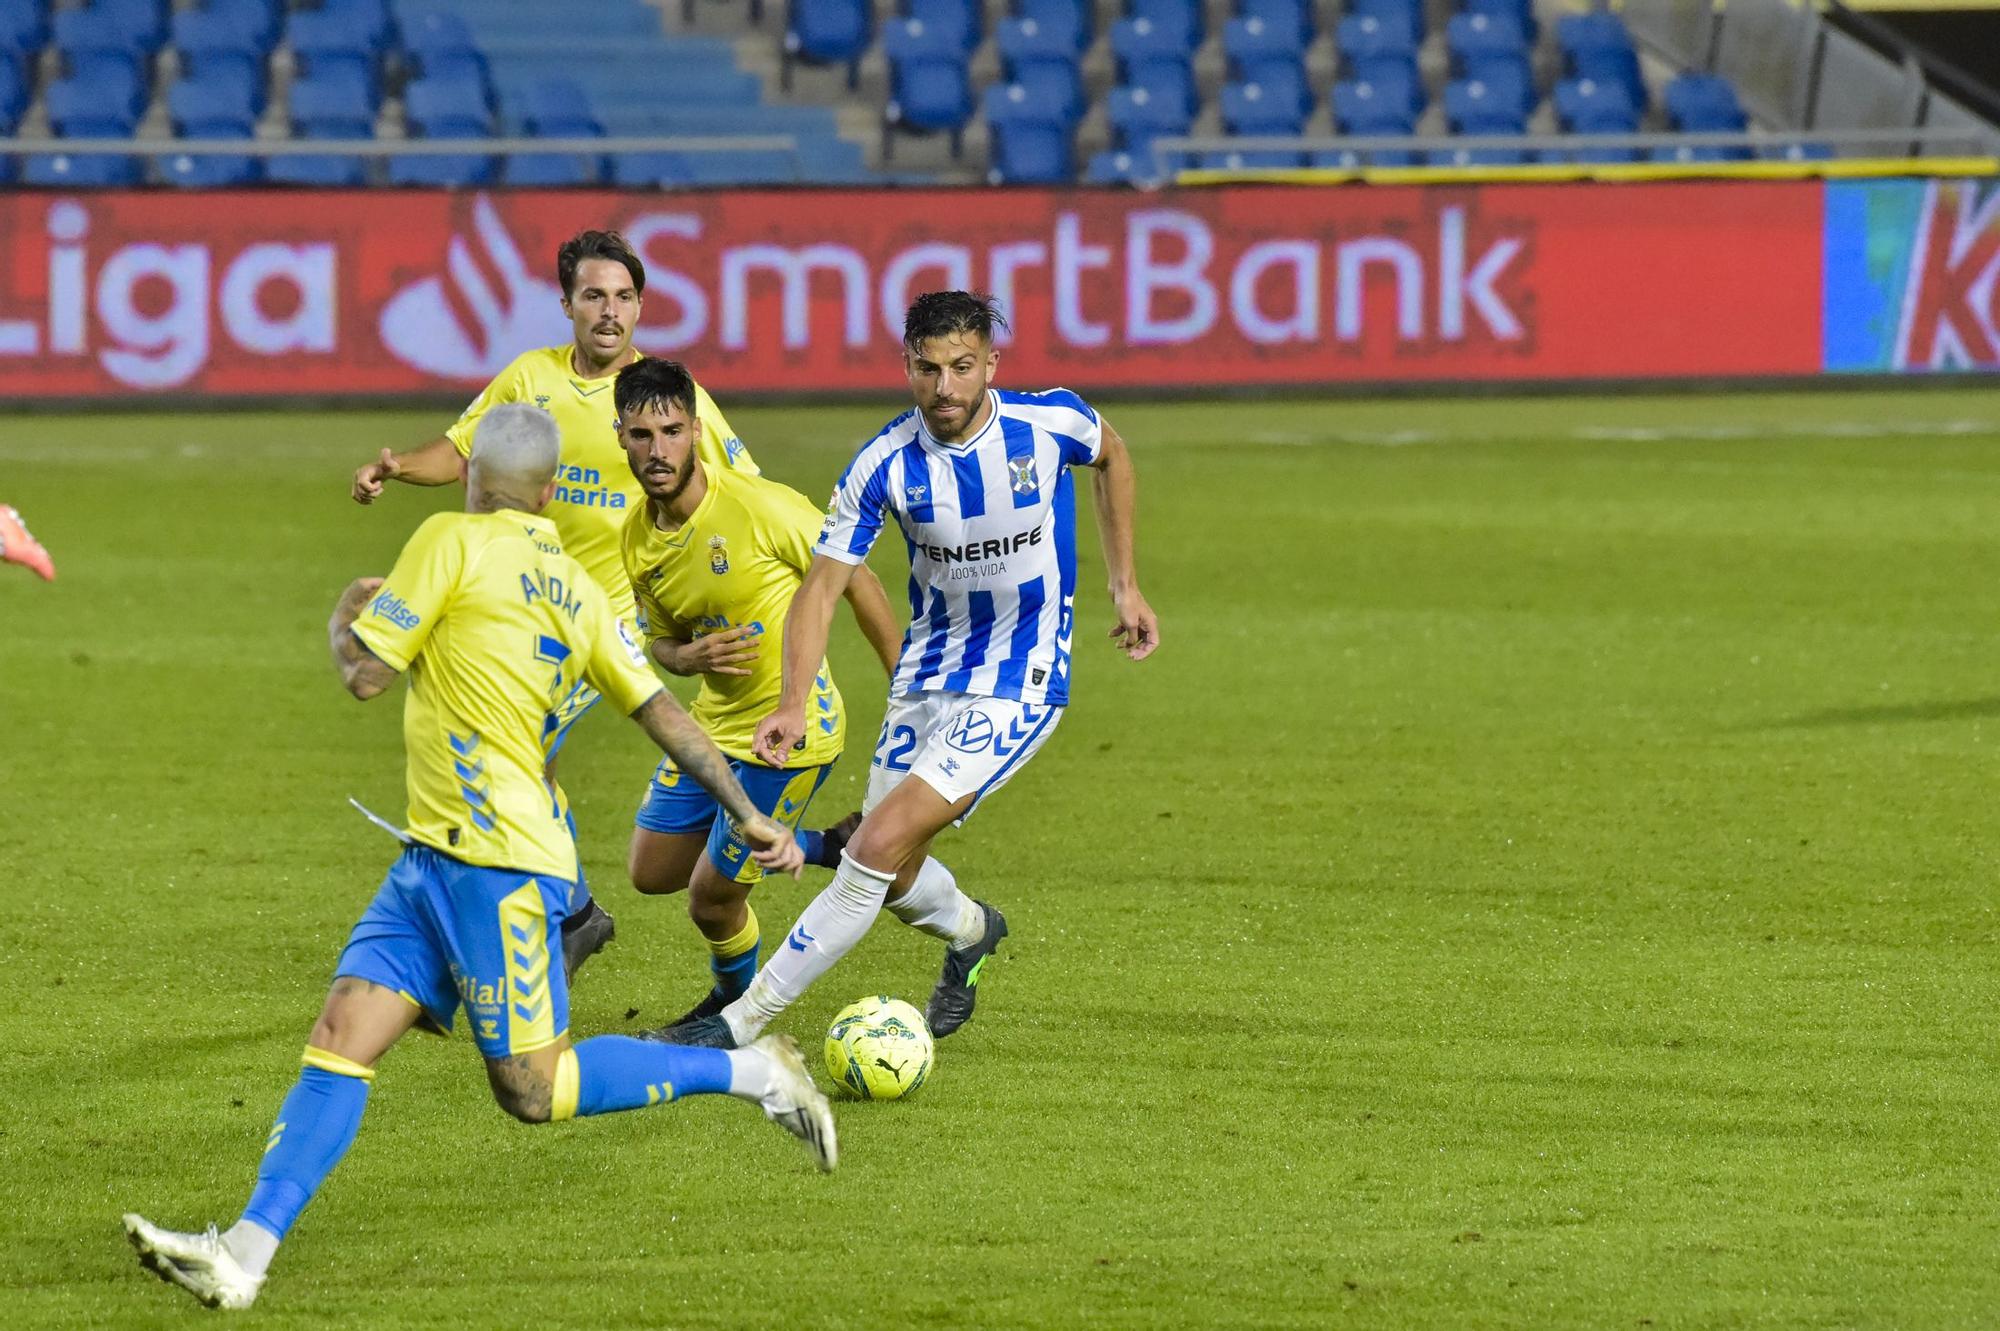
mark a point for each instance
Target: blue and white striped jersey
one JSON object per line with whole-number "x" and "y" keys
{"x": 991, "y": 526}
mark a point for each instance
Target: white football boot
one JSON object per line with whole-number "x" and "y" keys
{"x": 201, "y": 1263}
{"x": 795, "y": 1104}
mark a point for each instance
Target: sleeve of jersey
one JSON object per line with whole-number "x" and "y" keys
{"x": 722, "y": 447}
{"x": 617, "y": 668}
{"x": 654, "y": 621}
{"x": 854, "y": 518}
{"x": 407, "y": 606}
{"x": 504, "y": 388}
{"x": 792, "y": 525}
{"x": 1075, "y": 426}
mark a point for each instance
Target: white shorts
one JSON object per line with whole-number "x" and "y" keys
{"x": 959, "y": 743}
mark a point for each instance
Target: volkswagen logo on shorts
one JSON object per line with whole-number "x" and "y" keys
{"x": 970, "y": 732}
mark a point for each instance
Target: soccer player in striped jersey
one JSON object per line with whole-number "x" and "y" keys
{"x": 978, "y": 479}
{"x": 494, "y": 625}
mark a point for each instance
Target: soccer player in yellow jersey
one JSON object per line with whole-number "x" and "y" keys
{"x": 715, "y": 557}
{"x": 603, "y": 284}
{"x": 495, "y": 626}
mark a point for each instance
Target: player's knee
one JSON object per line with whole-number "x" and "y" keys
{"x": 715, "y": 912}
{"x": 524, "y": 1108}
{"x": 649, "y": 875}
{"x": 517, "y": 1091}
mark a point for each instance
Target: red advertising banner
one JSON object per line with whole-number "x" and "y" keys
{"x": 104, "y": 295}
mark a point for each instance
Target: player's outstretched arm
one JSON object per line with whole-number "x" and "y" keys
{"x": 695, "y": 754}
{"x": 436, "y": 463}
{"x": 1137, "y": 631}
{"x": 806, "y": 625}
{"x": 872, "y": 612}
{"x": 362, "y": 672}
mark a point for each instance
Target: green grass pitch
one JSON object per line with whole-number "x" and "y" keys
{"x": 1546, "y": 879}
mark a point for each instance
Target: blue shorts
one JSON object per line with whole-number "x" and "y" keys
{"x": 441, "y": 932}
{"x": 676, "y": 805}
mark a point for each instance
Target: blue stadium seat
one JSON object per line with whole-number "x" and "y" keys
{"x": 1585, "y": 106}
{"x": 1074, "y": 18}
{"x": 1368, "y": 106}
{"x": 1522, "y": 12}
{"x": 965, "y": 20}
{"x": 829, "y": 32}
{"x": 258, "y": 18}
{"x": 212, "y": 170}
{"x": 669, "y": 170}
{"x": 1171, "y": 82}
{"x": 83, "y": 107}
{"x": 1139, "y": 42}
{"x": 96, "y": 171}
{"x": 1042, "y": 61}
{"x": 1476, "y": 39}
{"x": 1181, "y": 18}
{"x": 440, "y": 98}
{"x": 208, "y": 38}
{"x": 441, "y": 46}
{"x": 1405, "y": 16}
{"x": 136, "y": 25}
{"x": 370, "y": 15}
{"x": 24, "y": 26}
{"x": 1032, "y": 140}
{"x": 559, "y": 107}
{"x": 339, "y": 104}
{"x": 1293, "y": 16}
{"x": 317, "y": 169}
{"x": 329, "y": 39}
{"x": 1138, "y": 116}
{"x": 1369, "y": 41}
{"x": 551, "y": 170}
{"x": 13, "y": 91}
{"x": 85, "y": 34}
{"x": 445, "y": 171}
{"x": 110, "y": 78}
{"x": 1121, "y": 168}
{"x": 1474, "y": 106}
{"x": 1508, "y": 75}
{"x": 214, "y": 100}
{"x": 1255, "y": 48}
{"x": 1703, "y": 102}
{"x": 1262, "y": 108}
{"x": 1597, "y": 46}
{"x": 928, "y": 85}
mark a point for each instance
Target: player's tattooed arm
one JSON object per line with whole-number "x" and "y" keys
{"x": 877, "y": 620}
{"x": 362, "y": 672}
{"x": 1116, "y": 494}
{"x": 670, "y": 727}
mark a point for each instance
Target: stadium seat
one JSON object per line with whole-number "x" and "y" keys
{"x": 1138, "y": 43}
{"x": 1366, "y": 106}
{"x": 667, "y": 170}
{"x": 965, "y": 20}
{"x": 1031, "y": 138}
{"x": 1597, "y": 46}
{"x": 549, "y": 170}
{"x": 1585, "y": 106}
{"x": 1292, "y": 16}
{"x": 1171, "y": 82}
{"x": 330, "y": 39}
{"x": 138, "y": 26}
{"x": 1256, "y": 49}
{"x": 1259, "y": 108}
{"x": 447, "y": 170}
{"x": 13, "y": 91}
{"x": 559, "y": 108}
{"x": 24, "y": 26}
{"x": 1473, "y": 106}
{"x": 1507, "y": 77}
{"x": 211, "y": 39}
{"x": 1522, "y": 12}
{"x": 1476, "y": 40}
{"x": 1181, "y": 19}
{"x": 212, "y": 170}
{"x": 1072, "y": 18}
{"x": 1367, "y": 42}
{"x": 928, "y": 85}
{"x": 340, "y": 104}
{"x": 92, "y": 171}
{"x": 440, "y": 45}
{"x": 260, "y": 19}
{"x": 1121, "y": 168}
{"x": 1703, "y": 102}
{"x": 829, "y": 32}
{"x": 1138, "y": 116}
{"x": 1043, "y": 62}
{"x": 1406, "y": 17}
{"x": 440, "y": 98}
{"x": 212, "y": 101}
{"x": 88, "y": 107}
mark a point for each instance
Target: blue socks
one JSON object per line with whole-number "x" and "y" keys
{"x": 813, "y": 844}
{"x": 316, "y": 1124}
{"x": 614, "y": 1072}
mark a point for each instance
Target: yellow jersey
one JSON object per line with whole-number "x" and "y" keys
{"x": 737, "y": 560}
{"x": 595, "y": 488}
{"x": 496, "y": 628}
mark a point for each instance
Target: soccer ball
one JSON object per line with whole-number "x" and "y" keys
{"x": 879, "y": 1048}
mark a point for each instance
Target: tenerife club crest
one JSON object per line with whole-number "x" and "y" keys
{"x": 1021, "y": 475}
{"x": 718, "y": 555}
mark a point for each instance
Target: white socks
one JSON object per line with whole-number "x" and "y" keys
{"x": 831, "y": 925}
{"x": 935, "y": 906}
{"x": 252, "y": 1245}
{"x": 750, "y": 1074}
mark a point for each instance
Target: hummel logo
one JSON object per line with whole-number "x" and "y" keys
{"x": 799, "y": 939}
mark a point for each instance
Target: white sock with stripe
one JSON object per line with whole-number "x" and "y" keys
{"x": 832, "y": 923}
{"x": 934, "y": 905}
